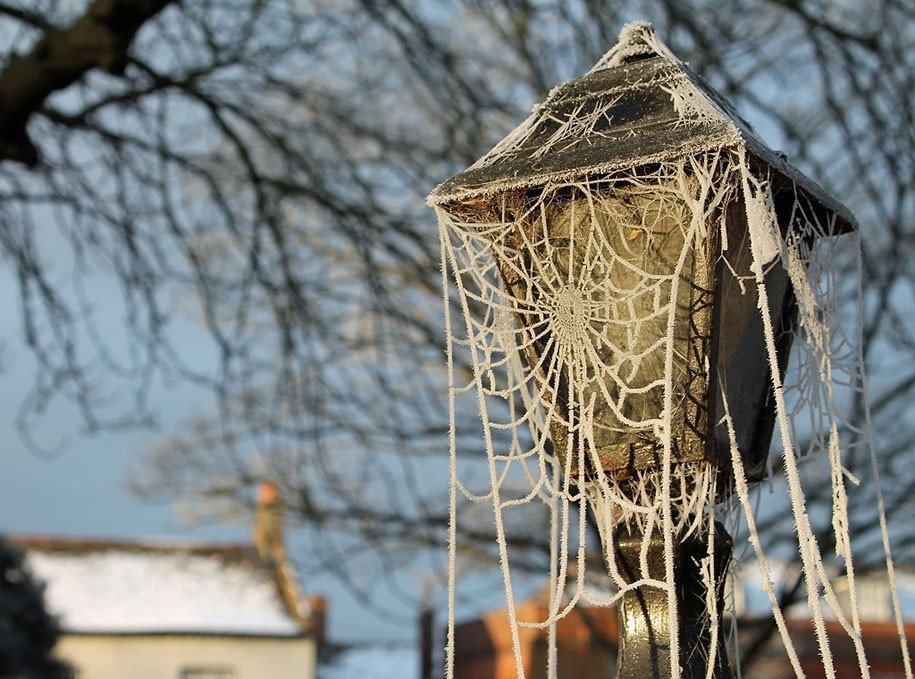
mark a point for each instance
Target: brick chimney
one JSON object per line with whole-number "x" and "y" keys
{"x": 268, "y": 523}
{"x": 271, "y": 547}
{"x": 317, "y": 616}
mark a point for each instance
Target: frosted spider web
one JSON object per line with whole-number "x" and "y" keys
{"x": 571, "y": 297}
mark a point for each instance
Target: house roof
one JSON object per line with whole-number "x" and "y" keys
{"x": 637, "y": 106}
{"x": 378, "y": 661}
{"x": 120, "y": 587}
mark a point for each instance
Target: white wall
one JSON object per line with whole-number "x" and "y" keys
{"x": 164, "y": 657}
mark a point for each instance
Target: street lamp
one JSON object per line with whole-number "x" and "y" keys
{"x": 642, "y": 235}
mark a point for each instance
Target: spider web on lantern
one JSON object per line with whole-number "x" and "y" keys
{"x": 568, "y": 297}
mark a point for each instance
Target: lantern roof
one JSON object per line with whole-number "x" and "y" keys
{"x": 638, "y": 105}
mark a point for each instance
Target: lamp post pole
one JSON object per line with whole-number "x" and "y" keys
{"x": 644, "y": 612}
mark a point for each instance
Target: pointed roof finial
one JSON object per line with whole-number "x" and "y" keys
{"x": 636, "y": 42}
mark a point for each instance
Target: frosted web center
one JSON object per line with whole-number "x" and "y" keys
{"x": 568, "y": 317}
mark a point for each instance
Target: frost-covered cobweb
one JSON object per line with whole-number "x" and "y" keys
{"x": 586, "y": 313}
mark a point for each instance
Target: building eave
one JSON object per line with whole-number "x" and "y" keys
{"x": 302, "y": 636}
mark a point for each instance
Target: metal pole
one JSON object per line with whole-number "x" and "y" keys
{"x": 426, "y": 639}
{"x": 644, "y": 630}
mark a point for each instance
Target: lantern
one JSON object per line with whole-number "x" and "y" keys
{"x": 600, "y": 216}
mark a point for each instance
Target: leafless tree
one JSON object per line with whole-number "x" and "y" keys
{"x": 258, "y": 168}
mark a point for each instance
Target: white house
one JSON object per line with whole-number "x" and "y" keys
{"x": 148, "y": 610}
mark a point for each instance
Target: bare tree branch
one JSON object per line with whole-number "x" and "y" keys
{"x": 99, "y": 39}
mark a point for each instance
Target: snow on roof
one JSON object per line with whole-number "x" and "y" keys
{"x": 130, "y": 588}
{"x": 373, "y": 661}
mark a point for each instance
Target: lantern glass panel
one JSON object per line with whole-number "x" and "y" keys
{"x": 601, "y": 270}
